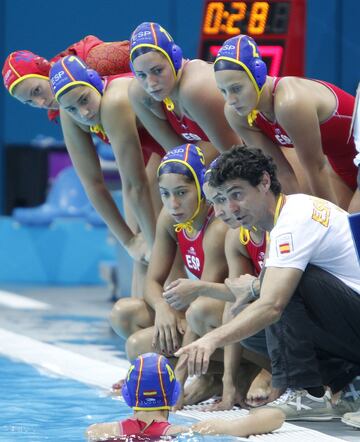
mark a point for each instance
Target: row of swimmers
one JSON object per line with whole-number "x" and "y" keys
{"x": 172, "y": 100}
{"x": 155, "y": 101}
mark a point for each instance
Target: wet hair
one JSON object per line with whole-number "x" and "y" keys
{"x": 70, "y": 88}
{"x": 175, "y": 167}
{"x": 246, "y": 163}
{"x": 141, "y": 51}
{"x": 226, "y": 65}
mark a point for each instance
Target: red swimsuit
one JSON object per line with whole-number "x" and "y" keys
{"x": 257, "y": 254}
{"x": 192, "y": 250}
{"x": 148, "y": 144}
{"x": 185, "y": 127}
{"x": 336, "y": 145}
{"x": 134, "y": 427}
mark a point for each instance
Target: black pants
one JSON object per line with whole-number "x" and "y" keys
{"x": 317, "y": 339}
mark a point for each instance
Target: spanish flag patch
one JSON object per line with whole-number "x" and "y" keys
{"x": 284, "y": 244}
{"x": 284, "y": 248}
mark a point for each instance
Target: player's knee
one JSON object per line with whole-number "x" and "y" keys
{"x": 123, "y": 315}
{"x": 134, "y": 346}
{"x": 196, "y": 316}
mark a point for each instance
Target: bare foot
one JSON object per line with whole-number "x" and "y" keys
{"x": 227, "y": 403}
{"x": 202, "y": 388}
{"x": 260, "y": 389}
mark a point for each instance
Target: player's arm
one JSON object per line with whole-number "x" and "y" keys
{"x": 253, "y": 137}
{"x": 86, "y": 162}
{"x": 158, "y": 127}
{"x": 167, "y": 320}
{"x": 98, "y": 432}
{"x": 277, "y": 288}
{"x": 119, "y": 122}
{"x": 296, "y": 113}
{"x": 203, "y": 101}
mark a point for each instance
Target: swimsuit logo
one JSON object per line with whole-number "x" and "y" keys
{"x": 193, "y": 262}
{"x": 261, "y": 258}
{"x": 192, "y": 251}
{"x": 190, "y": 137}
{"x": 282, "y": 138}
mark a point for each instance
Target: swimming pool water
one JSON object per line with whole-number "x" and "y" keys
{"x": 36, "y": 407}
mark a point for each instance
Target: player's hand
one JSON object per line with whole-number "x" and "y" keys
{"x": 181, "y": 293}
{"x": 168, "y": 325}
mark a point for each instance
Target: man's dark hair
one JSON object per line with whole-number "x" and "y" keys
{"x": 246, "y": 163}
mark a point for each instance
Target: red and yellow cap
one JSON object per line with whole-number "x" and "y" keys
{"x": 20, "y": 65}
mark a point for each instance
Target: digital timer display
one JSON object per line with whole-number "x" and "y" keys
{"x": 277, "y": 26}
{"x": 251, "y": 18}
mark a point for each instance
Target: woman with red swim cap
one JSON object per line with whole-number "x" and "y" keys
{"x": 176, "y": 99}
{"x": 26, "y": 75}
{"x": 311, "y": 116}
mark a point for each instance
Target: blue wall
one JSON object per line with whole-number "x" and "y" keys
{"x": 333, "y": 42}
{"x": 50, "y": 28}
{"x": 45, "y": 27}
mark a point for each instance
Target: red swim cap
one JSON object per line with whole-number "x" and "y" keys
{"x": 20, "y": 65}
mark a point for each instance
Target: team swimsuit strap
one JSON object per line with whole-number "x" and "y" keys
{"x": 244, "y": 235}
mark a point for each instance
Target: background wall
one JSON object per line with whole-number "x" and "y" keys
{"x": 333, "y": 42}
{"x": 46, "y": 27}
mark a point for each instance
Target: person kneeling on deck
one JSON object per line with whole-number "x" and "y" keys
{"x": 308, "y": 301}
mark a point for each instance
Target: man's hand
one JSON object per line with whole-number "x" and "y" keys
{"x": 168, "y": 323}
{"x": 180, "y": 293}
{"x": 198, "y": 355}
{"x": 137, "y": 248}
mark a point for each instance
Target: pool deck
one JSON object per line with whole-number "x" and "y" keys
{"x": 75, "y": 320}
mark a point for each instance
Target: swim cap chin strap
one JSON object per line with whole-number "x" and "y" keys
{"x": 253, "y": 114}
{"x": 188, "y": 225}
{"x": 244, "y": 235}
